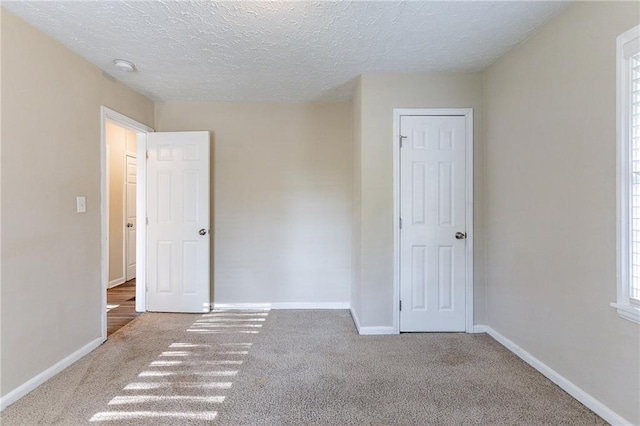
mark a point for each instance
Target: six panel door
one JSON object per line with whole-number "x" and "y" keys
{"x": 433, "y": 211}
{"x": 178, "y": 236}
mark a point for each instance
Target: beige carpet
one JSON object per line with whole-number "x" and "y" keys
{"x": 293, "y": 368}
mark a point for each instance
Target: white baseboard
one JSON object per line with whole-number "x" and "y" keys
{"x": 283, "y": 305}
{"x": 356, "y": 321}
{"x": 479, "y": 328}
{"x": 116, "y": 282}
{"x": 36, "y": 381}
{"x": 589, "y": 401}
{"x": 370, "y": 331}
{"x": 376, "y": 331}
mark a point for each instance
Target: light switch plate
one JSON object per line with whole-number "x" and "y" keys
{"x": 81, "y": 204}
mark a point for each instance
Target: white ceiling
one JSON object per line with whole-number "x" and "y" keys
{"x": 281, "y": 51}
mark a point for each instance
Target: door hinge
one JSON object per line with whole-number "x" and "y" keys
{"x": 401, "y": 305}
{"x": 147, "y": 154}
{"x": 401, "y": 138}
{"x": 147, "y": 221}
{"x": 400, "y": 223}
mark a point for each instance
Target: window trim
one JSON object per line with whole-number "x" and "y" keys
{"x": 627, "y": 44}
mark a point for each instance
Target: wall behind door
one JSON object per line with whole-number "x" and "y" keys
{"x": 119, "y": 142}
{"x": 282, "y": 197}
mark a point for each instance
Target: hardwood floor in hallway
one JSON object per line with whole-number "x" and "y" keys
{"x": 121, "y": 306}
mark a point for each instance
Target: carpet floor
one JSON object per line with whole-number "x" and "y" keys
{"x": 293, "y": 368}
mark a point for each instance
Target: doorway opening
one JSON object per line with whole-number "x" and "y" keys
{"x": 123, "y": 142}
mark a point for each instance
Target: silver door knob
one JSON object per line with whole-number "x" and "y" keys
{"x": 461, "y": 235}
{"x": 202, "y": 231}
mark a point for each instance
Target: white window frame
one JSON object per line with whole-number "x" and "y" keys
{"x": 628, "y": 44}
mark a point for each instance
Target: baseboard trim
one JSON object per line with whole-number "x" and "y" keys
{"x": 589, "y": 401}
{"x": 50, "y": 372}
{"x": 354, "y": 316}
{"x": 376, "y": 331}
{"x": 370, "y": 331}
{"x": 116, "y": 282}
{"x": 283, "y": 305}
{"x": 479, "y": 328}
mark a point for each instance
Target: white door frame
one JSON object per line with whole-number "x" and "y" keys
{"x": 107, "y": 114}
{"x": 468, "y": 114}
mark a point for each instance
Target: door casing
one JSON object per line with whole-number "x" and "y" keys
{"x": 468, "y": 114}
{"x": 107, "y": 114}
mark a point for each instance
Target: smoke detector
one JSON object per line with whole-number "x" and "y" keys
{"x": 124, "y": 65}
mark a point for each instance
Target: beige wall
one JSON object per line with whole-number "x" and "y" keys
{"x": 291, "y": 192}
{"x": 51, "y": 285}
{"x": 551, "y": 203}
{"x": 282, "y": 197}
{"x": 379, "y": 95}
{"x": 120, "y": 142}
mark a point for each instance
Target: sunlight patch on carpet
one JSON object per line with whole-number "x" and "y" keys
{"x": 109, "y": 416}
{"x": 138, "y": 399}
{"x": 172, "y": 381}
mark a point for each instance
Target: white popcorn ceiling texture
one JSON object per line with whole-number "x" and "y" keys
{"x": 281, "y": 51}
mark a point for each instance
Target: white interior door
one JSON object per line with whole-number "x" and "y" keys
{"x": 433, "y": 230}
{"x": 178, "y": 222}
{"x": 130, "y": 217}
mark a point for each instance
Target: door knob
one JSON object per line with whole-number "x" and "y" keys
{"x": 202, "y": 231}
{"x": 461, "y": 235}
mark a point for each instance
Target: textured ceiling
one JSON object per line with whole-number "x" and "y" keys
{"x": 281, "y": 51}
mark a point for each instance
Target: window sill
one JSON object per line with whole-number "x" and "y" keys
{"x": 628, "y": 312}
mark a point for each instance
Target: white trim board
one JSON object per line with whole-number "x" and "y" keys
{"x": 376, "y": 331}
{"x": 370, "y": 331}
{"x": 587, "y": 400}
{"x": 116, "y": 282}
{"x": 50, "y": 372}
{"x": 356, "y": 321}
{"x": 141, "y": 231}
{"x": 283, "y": 305}
{"x": 627, "y": 45}
{"x": 468, "y": 114}
{"x": 479, "y": 328}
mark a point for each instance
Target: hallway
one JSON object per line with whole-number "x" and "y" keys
{"x": 121, "y": 306}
